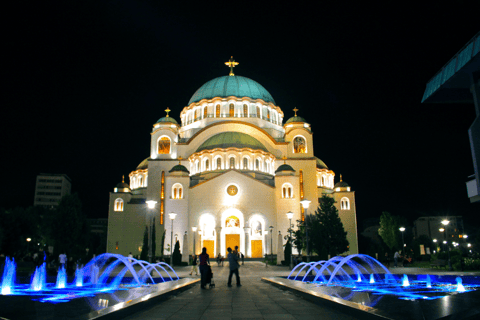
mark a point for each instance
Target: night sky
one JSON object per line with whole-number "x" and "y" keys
{"x": 84, "y": 81}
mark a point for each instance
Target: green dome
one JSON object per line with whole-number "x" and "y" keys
{"x": 122, "y": 185}
{"x": 295, "y": 119}
{"x": 341, "y": 184}
{"x": 180, "y": 168}
{"x": 167, "y": 119}
{"x": 143, "y": 164}
{"x": 284, "y": 167}
{"x": 321, "y": 164}
{"x": 231, "y": 86}
{"x": 231, "y": 139}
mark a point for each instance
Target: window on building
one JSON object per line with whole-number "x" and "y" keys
{"x": 257, "y": 164}
{"x": 164, "y": 145}
{"x": 197, "y": 113}
{"x": 232, "y": 163}
{"x": 177, "y": 191}
{"x": 232, "y": 110}
{"x": 197, "y": 167}
{"x": 345, "y": 204}
{"x": 245, "y": 110}
{"x": 268, "y": 114}
{"x": 217, "y": 111}
{"x": 219, "y": 163}
{"x": 258, "y": 112}
{"x": 205, "y": 110}
{"x": 299, "y": 145}
{"x": 118, "y": 206}
{"x": 207, "y": 165}
{"x": 140, "y": 182}
{"x": 287, "y": 191}
{"x": 245, "y": 163}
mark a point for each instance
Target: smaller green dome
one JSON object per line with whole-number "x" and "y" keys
{"x": 341, "y": 184}
{"x": 321, "y": 164}
{"x": 179, "y": 168}
{"x": 143, "y": 164}
{"x": 284, "y": 167}
{"x": 167, "y": 119}
{"x": 295, "y": 119}
{"x": 231, "y": 139}
{"x": 122, "y": 185}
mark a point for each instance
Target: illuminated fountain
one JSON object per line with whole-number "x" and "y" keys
{"x": 8, "y": 279}
{"x": 361, "y": 273}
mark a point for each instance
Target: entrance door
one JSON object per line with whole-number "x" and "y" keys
{"x": 210, "y": 245}
{"x": 257, "y": 249}
{"x": 232, "y": 240}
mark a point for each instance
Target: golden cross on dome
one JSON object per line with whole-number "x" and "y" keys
{"x": 295, "y": 109}
{"x": 180, "y": 160}
{"x": 167, "y": 111}
{"x": 340, "y": 178}
{"x": 284, "y": 160}
{"x": 123, "y": 179}
{"x": 231, "y": 63}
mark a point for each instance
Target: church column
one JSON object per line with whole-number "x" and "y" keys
{"x": 248, "y": 252}
{"x": 218, "y": 231}
{"x": 267, "y": 241}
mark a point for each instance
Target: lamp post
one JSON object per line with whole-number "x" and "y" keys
{"x": 403, "y": 241}
{"x": 305, "y": 203}
{"x": 172, "y": 217}
{"x": 445, "y": 222}
{"x": 194, "y": 229}
{"x": 290, "y": 216}
{"x": 151, "y": 205}
{"x": 271, "y": 243}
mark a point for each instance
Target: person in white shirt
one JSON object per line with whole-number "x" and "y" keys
{"x": 62, "y": 258}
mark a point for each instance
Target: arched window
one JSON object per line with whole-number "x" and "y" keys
{"x": 323, "y": 181}
{"x": 245, "y": 110}
{"x": 232, "y": 163}
{"x": 197, "y": 113}
{"x": 219, "y": 163}
{"x": 217, "y": 111}
{"x": 245, "y": 163}
{"x": 268, "y": 114}
{"x": 164, "y": 145}
{"x": 257, "y": 164}
{"x": 299, "y": 145}
{"x": 258, "y": 112}
{"x": 118, "y": 206}
{"x": 177, "y": 191}
{"x": 207, "y": 165}
{"x": 205, "y": 111}
{"x": 287, "y": 191}
{"x": 140, "y": 181}
{"x": 197, "y": 167}
{"x": 231, "y": 110}
{"x": 345, "y": 204}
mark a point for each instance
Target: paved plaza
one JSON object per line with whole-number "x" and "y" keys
{"x": 253, "y": 300}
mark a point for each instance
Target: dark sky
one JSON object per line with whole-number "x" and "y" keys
{"x": 85, "y": 80}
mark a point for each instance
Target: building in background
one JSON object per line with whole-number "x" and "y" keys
{"x": 430, "y": 226}
{"x": 50, "y": 188}
{"x": 459, "y": 82}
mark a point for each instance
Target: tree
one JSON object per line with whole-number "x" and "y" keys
{"x": 326, "y": 229}
{"x": 288, "y": 251}
{"x": 144, "y": 253}
{"x": 177, "y": 256}
{"x": 69, "y": 229}
{"x": 389, "y": 230}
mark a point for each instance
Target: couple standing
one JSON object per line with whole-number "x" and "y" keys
{"x": 233, "y": 264}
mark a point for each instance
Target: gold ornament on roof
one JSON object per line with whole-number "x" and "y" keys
{"x": 167, "y": 111}
{"x": 180, "y": 160}
{"x": 340, "y": 177}
{"x": 295, "y": 110}
{"x": 123, "y": 179}
{"x": 284, "y": 160}
{"x": 232, "y": 190}
{"x": 231, "y": 63}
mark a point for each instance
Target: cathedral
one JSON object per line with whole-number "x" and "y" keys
{"x": 225, "y": 176}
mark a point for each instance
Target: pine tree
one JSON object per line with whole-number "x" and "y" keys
{"x": 177, "y": 256}
{"x": 326, "y": 230}
{"x": 144, "y": 253}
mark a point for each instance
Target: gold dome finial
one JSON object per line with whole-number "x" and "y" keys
{"x": 295, "y": 110}
{"x": 231, "y": 63}
{"x": 180, "y": 160}
{"x": 167, "y": 111}
{"x": 123, "y": 179}
{"x": 341, "y": 178}
{"x": 284, "y": 160}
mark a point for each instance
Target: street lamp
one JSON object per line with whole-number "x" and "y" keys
{"x": 403, "y": 241}
{"x": 290, "y": 216}
{"x": 271, "y": 243}
{"x": 305, "y": 203}
{"x": 172, "y": 217}
{"x": 194, "y": 229}
{"x": 151, "y": 205}
{"x": 445, "y": 222}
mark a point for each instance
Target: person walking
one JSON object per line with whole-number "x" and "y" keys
{"x": 62, "y": 258}
{"x": 395, "y": 258}
{"x": 204, "y": 263}
{"x": 194, "y": 265}
{"x": 233, "y": 262}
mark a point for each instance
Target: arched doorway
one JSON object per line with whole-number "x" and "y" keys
{"x": 257, "y": 236}
{"x": 208, "y": 234}
{"x": 232, "y": 224}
